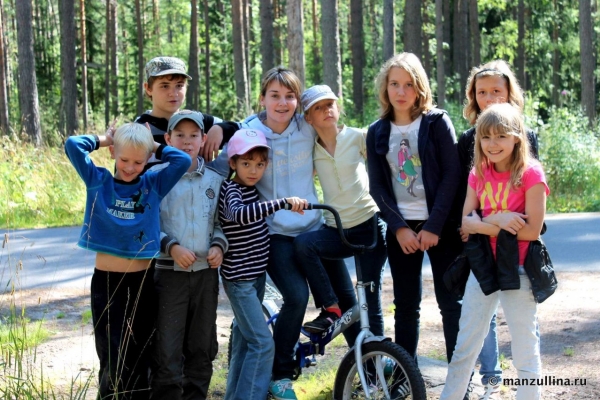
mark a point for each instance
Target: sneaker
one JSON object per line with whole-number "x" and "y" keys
{"x": 322, "y": 322}
{"x": 282, "y": 390}
{"x": 491, "y": 393}
{"x": 469, "y": 391}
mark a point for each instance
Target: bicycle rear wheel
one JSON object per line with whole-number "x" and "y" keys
{"x": 391, "y": 373}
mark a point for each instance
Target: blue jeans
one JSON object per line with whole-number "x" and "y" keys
{"x": 408, "y": 285}
{"x": 252, "y": 348}
{"x": 287, "y": 275}
{"x": 326, "y": 285}
{"x": 488, "y": 357}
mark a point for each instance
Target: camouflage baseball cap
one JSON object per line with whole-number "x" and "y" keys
{"x": 160, "y": 66}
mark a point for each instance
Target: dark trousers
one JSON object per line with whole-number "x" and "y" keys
{"x": 406, "y": 274}
{"x": 123, "y": 310}
{"x": 185, "y": 343}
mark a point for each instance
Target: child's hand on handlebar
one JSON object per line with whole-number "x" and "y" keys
{"x": 297, "y": 204}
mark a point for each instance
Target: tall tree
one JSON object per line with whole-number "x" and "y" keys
{"x": 28, "y": 92}
{"x": 389, "y": 30}
{"x": 4, "y": 125}
{"x": 207, "y": 56}
{"x": 439, "y": 51}
{"x": 193, "y": 92}
{"x": 521, "y": 44}
{"x": 316, "y": 51}
{"x": 267, "y": 48}
{"x": 588, "y": 60}
{"x": 239, "y": 55}
{"x": 68, "y": 121}
{"x": 461, "y": 44}
{"x": 330, "y": 43}
{"x": 295, "y": 37}
{"x": 139, "y": 109}
{"x": 556, "y": 55}
{"x": 357, "y": 46}
{"x": 475, "y": 32}
{"x": 84, "y": 69}
{"x": 413, "y": 27}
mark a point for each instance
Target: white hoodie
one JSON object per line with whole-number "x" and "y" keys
{"x": 289, "y": 173}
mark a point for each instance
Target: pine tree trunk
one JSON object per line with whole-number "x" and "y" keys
{"x": 521, "y": 44}
{"x": 439, "y": 51}
{"x": 315, "y": 44}
{"x": 193, "y": 91}
{"x": 207, "y": 59}
{"x": 461, "y": 44}
{"x": 140, "y": 57}
{"x": 239, "y": 54}
{"x": 475, "y": 32}
{"x": 114, "y": 59}
{"x": 295, "y": 37}
{"x": 84, "y": 85}
{"x": 357, "y": 46}
{"x": 330, "y": 43}
{"x": 28, "y": 92}
{"x": 4, "y": 124}
{"x": 588, "y": 61}
{"x": 389, "y": 30}
{"x": 68, "y": 120}
{"x": 267, "y": 49}
{"x": 413, "y": 26}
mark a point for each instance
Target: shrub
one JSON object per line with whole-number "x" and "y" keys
{"x": 570, "y": 153}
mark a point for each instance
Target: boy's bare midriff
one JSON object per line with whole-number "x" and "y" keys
{"x": 110, "y": 263}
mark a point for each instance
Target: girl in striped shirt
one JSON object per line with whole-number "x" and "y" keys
{"x": 242, "y": 218}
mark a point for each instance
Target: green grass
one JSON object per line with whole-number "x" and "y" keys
{"x": 504, "y": 362}
{"x": 17, "y": 334}
{"x": 60, "y": 315}
{"x": 86, "y": 317}
{"x": 568, "y": 351}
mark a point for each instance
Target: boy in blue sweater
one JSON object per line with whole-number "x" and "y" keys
{"x": 186, "y": 276}
{"x": 121, "y": 226}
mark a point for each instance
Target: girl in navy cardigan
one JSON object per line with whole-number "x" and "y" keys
{"x": 415, "y": 193}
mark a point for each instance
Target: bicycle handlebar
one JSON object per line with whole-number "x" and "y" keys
{"x": 340, "y": 229}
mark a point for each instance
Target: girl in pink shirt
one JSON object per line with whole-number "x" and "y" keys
{"x": 508, "y": 186}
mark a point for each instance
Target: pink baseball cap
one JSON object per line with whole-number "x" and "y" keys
{"x": 245, "y": 140}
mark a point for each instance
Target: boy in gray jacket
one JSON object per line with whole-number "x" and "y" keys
{"x": 186, "y": 276}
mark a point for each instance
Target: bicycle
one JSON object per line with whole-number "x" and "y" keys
{"x": 375, "y": 367}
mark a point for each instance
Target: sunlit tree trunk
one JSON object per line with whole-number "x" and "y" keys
{"x": 4, "y": 125}
{"x": 140, "y": 58}
{"x": 84, "y": 74}
{"x": 239, "y": 55}
{"x": 521, "y": 44}
{"x": 28, "y": 93}
{"x": 207, "y": 57}
{"x": 330, "y": 42}
{"x": 556, "y": 57}
{"x": 461, "y": 44}
{"x": 315, "y": 44}
{"x": 588, "y": 60}
{"x": 389, "y": 30}
{"x": 295, "y": 37}
{"x": 193, "y": 91}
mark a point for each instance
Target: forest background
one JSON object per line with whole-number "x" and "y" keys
{"x": 69, "y": 66}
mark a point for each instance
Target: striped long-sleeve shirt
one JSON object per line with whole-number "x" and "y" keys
{"x": 242, "y": 218}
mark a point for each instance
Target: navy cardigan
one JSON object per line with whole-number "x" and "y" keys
{"x": 440, "y": 169}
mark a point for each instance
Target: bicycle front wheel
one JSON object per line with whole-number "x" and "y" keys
{"x": 391, "y": 373}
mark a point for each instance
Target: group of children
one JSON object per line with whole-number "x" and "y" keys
{"x": 163, "y": 233}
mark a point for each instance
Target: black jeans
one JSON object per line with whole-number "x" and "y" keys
{"x": 186, "y": 333}
{"x": 123, "y": 310}
{"x": 408, "y": 285}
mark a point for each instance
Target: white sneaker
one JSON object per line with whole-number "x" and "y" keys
{"x": 491, "y": 393}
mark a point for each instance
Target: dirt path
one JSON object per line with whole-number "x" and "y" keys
{"x": 569, "y": 326}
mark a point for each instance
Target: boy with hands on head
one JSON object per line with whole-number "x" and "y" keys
{"x": 122, "y": 291}
{"x": 186, "y": 276}
{"x": 244, "y": 267}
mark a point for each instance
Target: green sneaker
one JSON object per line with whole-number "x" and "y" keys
{"x": 282, "y": 390}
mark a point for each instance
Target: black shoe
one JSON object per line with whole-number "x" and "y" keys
{"x": 322, "y": 322}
